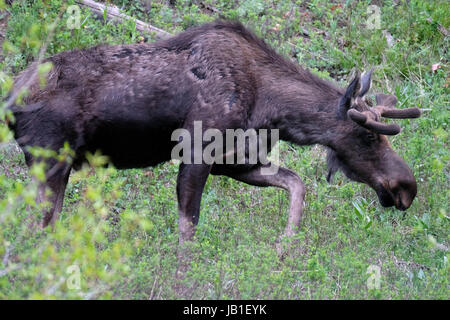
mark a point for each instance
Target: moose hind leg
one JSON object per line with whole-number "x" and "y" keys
{"x": 52, "y": 190}
{"x": 282, "y": 178}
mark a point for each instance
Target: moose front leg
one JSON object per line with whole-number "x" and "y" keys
{"x": 190, "y": 184}
{"x": 282, "y": 178}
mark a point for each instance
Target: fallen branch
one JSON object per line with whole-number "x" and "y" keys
{"x": 114, "y": 14}
{"x": 210, "y": 8}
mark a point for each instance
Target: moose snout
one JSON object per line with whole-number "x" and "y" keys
{"x": 403, "y": 192}
{"x": 397, "y": 185}
{"x": 398, "y": 193}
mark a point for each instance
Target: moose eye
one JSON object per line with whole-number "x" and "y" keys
{"x": 371, "y": 137}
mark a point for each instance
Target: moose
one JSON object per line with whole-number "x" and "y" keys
{"x": 126, "y": 100}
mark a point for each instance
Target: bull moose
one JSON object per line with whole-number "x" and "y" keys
{"x": 126, "y": 100}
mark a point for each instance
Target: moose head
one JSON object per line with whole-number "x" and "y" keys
{"x": 362, "y": 150}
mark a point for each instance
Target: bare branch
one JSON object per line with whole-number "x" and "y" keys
{"x": 114, "y": 14}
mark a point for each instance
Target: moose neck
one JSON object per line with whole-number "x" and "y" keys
{"x": 301, "y": 105}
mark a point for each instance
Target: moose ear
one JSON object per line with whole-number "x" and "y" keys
{"x": 351, "y": 93}
{"x": 366, "y": 83}
{"x": 387, "y": 100}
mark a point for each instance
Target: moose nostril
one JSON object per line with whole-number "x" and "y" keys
{"x": 404, "y": 200}
{"x": 402, "y": 194}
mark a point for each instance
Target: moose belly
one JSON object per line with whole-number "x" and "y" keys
{"x": 133, "y": 144}
{"x": 134, "y": 129}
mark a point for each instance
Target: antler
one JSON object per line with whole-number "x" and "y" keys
{"x": 385, "y": 107}
{"x": 363, "y": 120}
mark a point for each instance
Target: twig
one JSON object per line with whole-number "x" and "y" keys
{"x": 114, "y": 14}
{"x": 210, "y": 8}
{"x": 153, "y": 288}
{"x": 5, "y": 259}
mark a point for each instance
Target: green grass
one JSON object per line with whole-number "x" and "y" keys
{"x": 120, "y": 227}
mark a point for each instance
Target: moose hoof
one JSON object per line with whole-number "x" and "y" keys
{"x": 285, "y": 244}
{"x": 282, "y": 247}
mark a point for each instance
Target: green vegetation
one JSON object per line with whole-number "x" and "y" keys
{"x": 120, "y": 227}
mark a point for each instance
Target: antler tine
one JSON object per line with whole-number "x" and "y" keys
{"x": 385, "y": 106}
{"x": 398, "y": 113}
{"x": 378, "y": 127}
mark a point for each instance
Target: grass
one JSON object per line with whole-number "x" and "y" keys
{"x": 119, "y": 228}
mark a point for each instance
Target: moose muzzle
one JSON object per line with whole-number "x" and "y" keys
{"x": 399, "y": 187}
